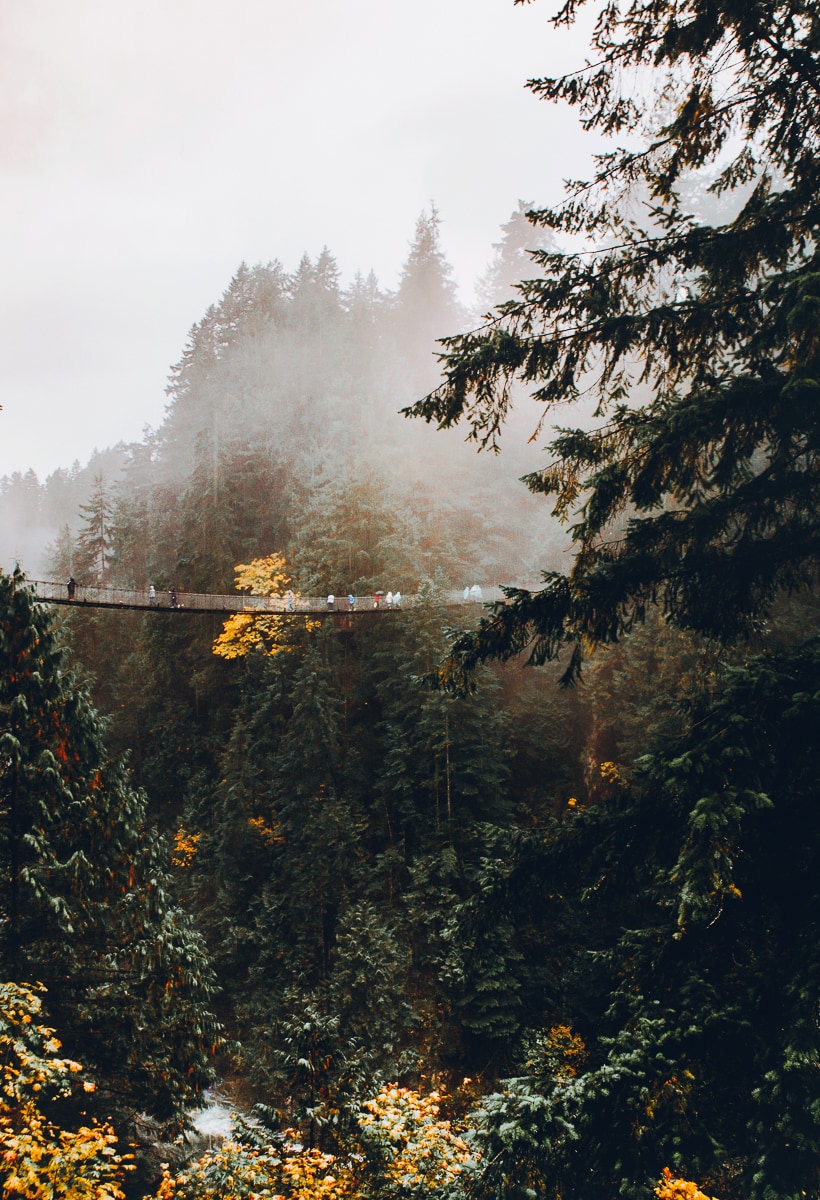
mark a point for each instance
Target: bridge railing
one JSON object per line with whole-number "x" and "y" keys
{"x": 112, "y": 597}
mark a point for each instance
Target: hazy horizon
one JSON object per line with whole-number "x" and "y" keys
{"x": 147, "y": 152}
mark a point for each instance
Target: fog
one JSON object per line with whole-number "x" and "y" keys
{"x": 283, "y": 431}
{"x": 148, "y": 150}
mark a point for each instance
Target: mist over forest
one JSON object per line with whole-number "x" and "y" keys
{"x": 424, "y": 896}
{"x": 286, "y": 399}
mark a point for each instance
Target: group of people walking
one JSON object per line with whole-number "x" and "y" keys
{"x": 335, "y": 603}
{"x": 391, "y": 599}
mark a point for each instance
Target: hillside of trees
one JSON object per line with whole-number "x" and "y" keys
{"x": 286, "y": 401}
{"x": 523, "y": 909}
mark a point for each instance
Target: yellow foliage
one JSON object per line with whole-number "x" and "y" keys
{"x": 310, "y": 1174}
{"x": 557, "y": 1052}
{"x": 567, "y": 1047}
{"x": 185, "y": 845}
{"x": 671, "y": 1188}
{"x": 238, "y": 1172}
{"x": 263, "y": 576}
{"x": 243, "y": 633}
{"x": 673, "y": 1091}
{"x": 41, "y": 1161}
{"x": 416, "y": 1146}
{"x": 403, "y": 1145}
{"x": 610, "y": 772}
{"x": 270, "y": 835}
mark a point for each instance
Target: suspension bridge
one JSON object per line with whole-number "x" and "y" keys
{"x": 77, "y": 595}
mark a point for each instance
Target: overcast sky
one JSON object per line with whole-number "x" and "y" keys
{"x": 148, "y": 148}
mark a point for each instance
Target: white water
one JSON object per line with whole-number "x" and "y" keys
{"x": 213, "y": 1120}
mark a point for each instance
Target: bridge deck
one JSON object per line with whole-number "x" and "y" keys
{"x": 197, "y": 602}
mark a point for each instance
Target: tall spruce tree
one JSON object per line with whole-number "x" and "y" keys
{"x": 279, "y": 855}
{"x": 695, "y": 484}
{"x": 94, "y": 541}
{"x": 681, "y": 906}
{"x": 513, "y": 259}
{"x": 84, "y": 893}
{"x": 426, "y": 300}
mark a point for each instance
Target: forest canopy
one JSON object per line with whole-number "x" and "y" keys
{"x": 526, "y": 943}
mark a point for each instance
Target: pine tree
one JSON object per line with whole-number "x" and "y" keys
{"x": 367, "y": 359}
{"x": 513, "y": 259}
{"x": 681, "y": 906}
{"x": 62, "y": 553}
{"x": 277, "y": 861}
{"x": 426, "y": 299}
{"x": 94, "y": 541}
{"x": 693, "y": 486}
{"x": 212, "y": 390}
{"x": 682, "y": 913}
{"x": 84, "y": 892}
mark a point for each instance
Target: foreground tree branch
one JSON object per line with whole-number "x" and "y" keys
{"x": 695, "y": 484}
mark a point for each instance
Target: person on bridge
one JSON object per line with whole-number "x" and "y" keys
{"x": 475, "y": 593}
{"x": 173, "y": 596}
{"x": 152, "y": 596}
{"x": 466, "y": 595}
{"x": 351, "y": 601}
{"x": 331, "y": 602}
{"x": 290, "y": 605}
{"x": 72, "y": 587}
{"x": 389, "y": 599}
{"x": 397, "y": 599}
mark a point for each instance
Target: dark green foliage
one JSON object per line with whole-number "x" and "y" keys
{"x": 368, "y": 984}
{"x": 283, "y": 843}
{"x": 678, "y": 910}
{"x": 84, "y": 900}
{"x": 693, "y": 485}
{"x": 352, "y": 812}
{"x": 699, "y": 1013}
{"x": 484, "y": 966}
{"x": 396, "y": 882}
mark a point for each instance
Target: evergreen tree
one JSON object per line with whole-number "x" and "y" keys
{"x": 84, "y": 900}
{"x": 60, "y": 494}
{"x": 62, "y": 553}
{"x": 698, "y": 490}
{"x": 315, "y": 296}
{"x": 351, "y": 534}
{"x": 94, "y": 541}
{"x": 230, "y": 509}
{"x": 513, "y": 259}
{"x": 681, "y": 906}
{"x": 305, "y": 891}
{"x": 277, "y": 857}
{"x": 684, "y": 915}
{"x": 441, "y": 768}
{"x": 190, "y": 400}
{"x": 426, "y": 299}
{"x": 367, "y": 360}
{"x": 212, "y": 390}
